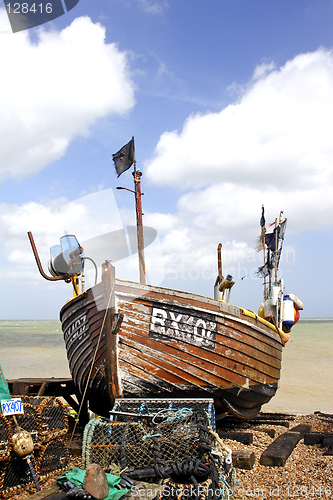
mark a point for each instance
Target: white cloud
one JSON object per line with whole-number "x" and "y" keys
{"x": 263, "y": 69}
{"x": 154, "y": 6}
{"x": 88, "y": 218}
{"x": 55, "y": 89}
{"x": 273, "y": 146}
{"x": 278, "y": 136}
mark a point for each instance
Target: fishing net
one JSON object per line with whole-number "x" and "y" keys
{"x": 14, "y": 477}
{"x": 150, "y": 407}
{"x": 28, "y": 421}
{"x": 133, "y": 445}
{"x": 51, "y": 457}
{"x": 170, "y": 441}
{"x": 45, "y": 419}
{"x": 53, "y": 418}
{"x": 5, "y": 438}
{"x": 4, "y": 390}
{"x": 111, "y": 444}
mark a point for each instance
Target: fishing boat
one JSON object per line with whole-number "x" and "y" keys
{"x": 128, "y": 339}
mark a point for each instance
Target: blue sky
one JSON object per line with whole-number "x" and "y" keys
{"x": 231, "y": 106}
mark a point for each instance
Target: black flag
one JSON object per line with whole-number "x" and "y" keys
{"x": 125, "y": 157}
{"x": 262, "y": 218}
{"x": 271, "y": 238}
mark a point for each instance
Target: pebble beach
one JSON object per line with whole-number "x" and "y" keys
{"x": 307, "y": 474}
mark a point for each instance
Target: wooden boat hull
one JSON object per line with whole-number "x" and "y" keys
{"x": 160, "y": 343}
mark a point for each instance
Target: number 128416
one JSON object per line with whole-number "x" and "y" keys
{"x": 24, "y": 8}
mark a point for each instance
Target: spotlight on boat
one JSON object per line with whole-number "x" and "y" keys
{"x": 225, "y": 287}
{"x": 66, "y": 258}
{"x": 227, "y": 282}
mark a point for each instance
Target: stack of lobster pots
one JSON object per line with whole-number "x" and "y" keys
{"x": 32, "y": 444}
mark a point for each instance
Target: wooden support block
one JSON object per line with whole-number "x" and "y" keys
{"x": 280, "y": 449}
{"x": 329, "y": 415}
{"x": 313, "y": 438}
{"x": 243, "y": 459}
{"x": 19, "y": 388}
{"x": 275, "y": 416}
{"x": 266, "y": 430}
{"x": 241, "y": 437}
{"x": 328, "y": 441}
{"x": 54, "y": 492}
{"x": 317, "y": 438}
{"x": 282, "y": 423}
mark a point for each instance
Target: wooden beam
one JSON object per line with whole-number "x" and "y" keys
{"x": 267, "y": 430}
{"x": 243, "y": 459}
{"x": 241, "y": 437}
{"x": 280, "y": 449}
{"x": 271, "y": 422}
{"x": 328, "y": 441}
{"x": 316, "y": 438}
{"x": 54, "y": 492}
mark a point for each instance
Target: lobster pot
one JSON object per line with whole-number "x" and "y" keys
{"x": 34, "y": 401}
{"x": 28, "y": 421}
{"x": 45, "y": 418}
{"x": 141, "y": 407}
{"x": 119, "y": 444}
{"x": 182, "y": 438}
{"x": 132, "y": 445}
{"x": 181, "y": 446}
{"x": 5, "y": 438}
{"x": 53, "y": 417}
{"x": 15, "y": 477}
{"x": 51, "y": 457}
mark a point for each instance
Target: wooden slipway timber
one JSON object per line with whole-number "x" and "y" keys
{"x": 126, "y": 339}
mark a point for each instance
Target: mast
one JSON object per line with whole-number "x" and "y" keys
{"x": 139, "y": 224}
{"x": 276, "y": 235}
{"x": 263, "y": 231}
{"x": 138, "y": 206}
{"x": 123, "y": 160}
{"x": 262, "y": 236}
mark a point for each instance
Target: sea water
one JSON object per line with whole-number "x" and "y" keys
{"x": 35, "y": 349}
{"x": 32, "y": 349}
{"x": 306, "y": 383}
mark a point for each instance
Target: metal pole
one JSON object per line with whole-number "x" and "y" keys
{"x": 263, "y": 231}
{"x": 39, "y": 265}
{"x": 276, "y": 248}
{"x": 138, "y": 205}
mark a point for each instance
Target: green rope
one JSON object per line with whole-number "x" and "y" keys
{"x": 172, "y": 415}
{"x": 147, "y": 436}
